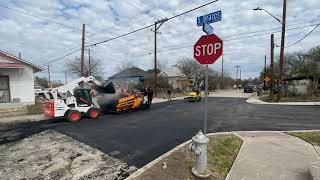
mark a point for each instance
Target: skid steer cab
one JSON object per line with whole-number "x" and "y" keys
{"x": 72, "y": 101}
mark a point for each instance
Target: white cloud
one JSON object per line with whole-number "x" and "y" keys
{"x": 40, "y": 41}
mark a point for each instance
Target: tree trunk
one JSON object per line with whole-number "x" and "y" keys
{"x": 315, "y": 86}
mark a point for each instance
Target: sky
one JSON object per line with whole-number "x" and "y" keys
{"x": 40, "y": 41}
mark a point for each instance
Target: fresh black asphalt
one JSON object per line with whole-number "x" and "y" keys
{"x": 139, "y": 137}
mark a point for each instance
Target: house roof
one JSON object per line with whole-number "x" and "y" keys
{"x": 130, "y": 72}
{"x": 36, "y": 68}
{"x": 171, "y": 72}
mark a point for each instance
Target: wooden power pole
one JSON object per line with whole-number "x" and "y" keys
{"x": 89, "y": 66}
{"x": 49, "y": 77}
{"x": 82, "y": 50}
{"x": 283, "y": 33}
{"x": 272, "y": 67}
{"x": 265, "y": 72}
{"x": 157, "y": 25}
{"x": 65, "y": 77}
{"x": 222, "y": 84}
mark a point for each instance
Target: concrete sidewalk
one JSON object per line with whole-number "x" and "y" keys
{"x": 256, "y": 100}
{"x": 272, "y": 155}
{"x": 160, "y": 100}
{"x": 235, "y": 93}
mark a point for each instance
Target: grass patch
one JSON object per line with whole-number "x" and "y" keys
{"x": 291, "y": 99}
{"x": 222, "y": 151}
{"x": 34, "y": 109}
{"x": 310, "y": 137}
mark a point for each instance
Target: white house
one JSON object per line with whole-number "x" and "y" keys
{"x": 176, "y": 80}
{"x": 16, "y": 79}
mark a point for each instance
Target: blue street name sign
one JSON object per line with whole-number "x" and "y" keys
{"x": 209, "y": 18}
{"x": 207, "y": 28}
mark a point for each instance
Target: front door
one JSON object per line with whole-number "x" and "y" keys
{"x": 4, "y": 89}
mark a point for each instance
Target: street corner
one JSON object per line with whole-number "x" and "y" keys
{"x": 51, "y": 155}
{"x": 178, "y": 162}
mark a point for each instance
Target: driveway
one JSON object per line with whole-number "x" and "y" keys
{"x": 139, "y": 137}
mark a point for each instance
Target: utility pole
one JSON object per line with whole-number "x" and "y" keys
{"x": 82, "y": 50}
{"x": 89, "y": 62}
{"x": 49, "y": 78}
{"x": 272, "y": 66}
{"x": 222, "y": 84}
{"x": 283, "y": 33}
{"x": 240, "y": 76}
{"x": 65, "y": 76}
{"x": 237, "y": 73}
{"x": 157, "y": 25}
{"x": 265, "y": 72}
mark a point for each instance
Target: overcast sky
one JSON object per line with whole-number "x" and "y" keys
{"x": 40, "y": 41}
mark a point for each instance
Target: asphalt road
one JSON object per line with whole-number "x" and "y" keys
{"x": 139, "y": 137}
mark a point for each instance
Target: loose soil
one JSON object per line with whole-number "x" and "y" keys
{"x": 222, "y": 151}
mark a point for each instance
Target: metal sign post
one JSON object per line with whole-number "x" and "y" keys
{"x": 207, "y": 50}
{"x": 206, "y": 102}
{"x": 207, "y": 28}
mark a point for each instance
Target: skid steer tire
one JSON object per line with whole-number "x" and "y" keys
{"x": 73, "y": 116}
{"x": 93, "y": 113}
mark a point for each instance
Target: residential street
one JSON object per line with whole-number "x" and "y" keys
{"x": 138, "y": 138}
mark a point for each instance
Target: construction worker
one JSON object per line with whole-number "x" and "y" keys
{"x": 169, "y": 94}
{"x": 150, "y": 95}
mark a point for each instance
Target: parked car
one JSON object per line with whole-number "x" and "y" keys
{"x": 194, "y": 96}
{"x": 248, "y": 89}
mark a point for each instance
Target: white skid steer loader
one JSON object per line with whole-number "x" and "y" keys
{"x": 72, "y": 100}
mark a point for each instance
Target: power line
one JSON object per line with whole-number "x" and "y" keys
{"x": 188, "y": 46}
{"x": 54, "y": 60}
{"x": 137, "y": 30}
{"x": 42, "y": 18}
{"x": 138, "y": 8}
{"x": 303, "y": 37}
{"x": 243, "y": 37}
{"x": 139, "y": 14}
{"x": 46, "y": 19}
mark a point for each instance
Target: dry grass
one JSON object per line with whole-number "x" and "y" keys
{"x": 310, "y": 137}
{"x": 35, "y": 109}
{"x": 222, "y": 151}
{"x": 291, "y": 99}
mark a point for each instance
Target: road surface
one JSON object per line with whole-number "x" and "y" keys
{"x": 139, "y": 137}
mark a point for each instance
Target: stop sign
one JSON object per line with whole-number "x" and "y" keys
{"x": 208, "y": 49}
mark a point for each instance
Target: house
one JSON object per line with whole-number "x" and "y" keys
{"x": 130, "y": 76}
{"x": 16, "y": 79}
{"x": 297, "y": 86}
{"x": 175, "y": 80}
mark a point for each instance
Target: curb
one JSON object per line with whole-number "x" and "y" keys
{"x": 234, "y": 133}
{"x": 152, "y": 163}
{"x": 253, "y": 100}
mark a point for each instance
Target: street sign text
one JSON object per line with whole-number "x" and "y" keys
{"x": 209, "y": 18}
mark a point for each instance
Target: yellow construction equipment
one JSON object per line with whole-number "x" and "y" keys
{"x": 131, "y": 102}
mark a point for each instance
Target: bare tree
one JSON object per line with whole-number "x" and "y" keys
{"x": 96, "y": 67}
{"x": 190, "y": 68}
{"x": 162, "y": 65}
{"x": 124, "y": 65}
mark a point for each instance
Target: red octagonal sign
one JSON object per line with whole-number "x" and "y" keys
{"x": 208, "y": 49}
